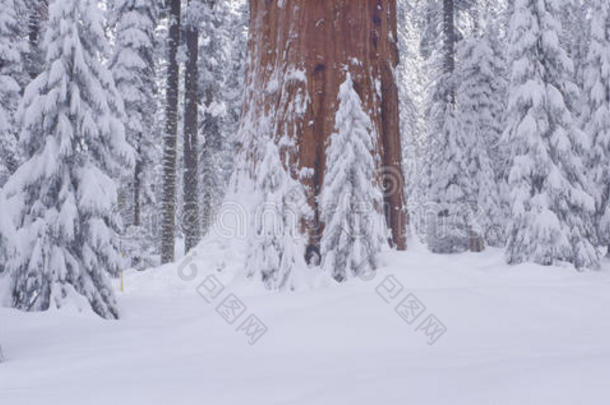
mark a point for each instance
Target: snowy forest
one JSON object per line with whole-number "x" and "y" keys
{"x": 330, "y": 201}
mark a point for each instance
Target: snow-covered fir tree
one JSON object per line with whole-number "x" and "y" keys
{"x": 214, "y": 30}
{"x": 411, "y": 78}
{"x": 450, "y": 192}
{"x": 64, "y": 196}
{"x": 480, "y": 105}
{"x": 551, "y": 210}
{"x": 223, "y": 33}
{"x": 238, "y": 21}
{"x": 13, "y": 47}
{"x": 133, "y": 69}
{"x": 573, "y": 18}
{"x": 351, "y": 201}
{"x": 597, "y": 115}
{"x": 276, "y": 250}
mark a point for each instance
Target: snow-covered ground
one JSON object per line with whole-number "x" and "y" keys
{"x": 514, "y": 335}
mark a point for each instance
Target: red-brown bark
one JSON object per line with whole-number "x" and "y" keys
{"x": 323, "y": 38}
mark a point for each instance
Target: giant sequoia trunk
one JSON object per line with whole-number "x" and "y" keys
{"x": 299, "y": 53}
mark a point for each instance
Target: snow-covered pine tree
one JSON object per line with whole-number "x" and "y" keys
{"x": 351, "y": 200}
{"x": 573, "y": 18}
{"x": 276, "y": 250}
{"x": 65, "y": 242}
{"x": 597, "y": 115}
{"x": 213, "y": 66}
{"x": 223, "y": 46}
{"x": 551, "y": 211}
{"x": 238, "y": 21}
{"x": 412, "y": 78}
{"x": 133, "y": 69}
{"x": 480, "y": 93}
{"x": 12, "y": 78}
{"x": 450, "y": 191}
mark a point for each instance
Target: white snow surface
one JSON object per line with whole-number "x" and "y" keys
{"x": 522, "y": 334}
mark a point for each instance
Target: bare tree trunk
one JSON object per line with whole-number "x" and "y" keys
{"x": 299, "y": 53}
{"x": 449, "y": 39}
{"x": 170, "y": 139}
{"x": 190, "y": 220}
{"x": 211, "y": 131}
{"x": 137, "y": 184}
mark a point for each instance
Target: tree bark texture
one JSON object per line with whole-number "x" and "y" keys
{"x": 171, "y": 137}
{"x": 137, "y": 184}
{"x": 449, "y": 39}
{"x": 190, "y": 219}
{"x": 299, "y": 53}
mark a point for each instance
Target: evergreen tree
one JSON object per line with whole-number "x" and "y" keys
{"x": 573, "y": 18}
{"x": 551, "y": 210}
{"x": 449, "y": 228}
{"x": 64, "y": 196}
{"x": 276, "y": 251}
{"x": 351, "y": 201}
{"x": 133, "y": 69}
{"x": 480, "y": 106}
{"x": 223, "y": 46}
{"x": 237, "y": 43}
{"x": 597, "y": 115}
{"x": 412, "y": 77}
{"x": 213, "y": 65}
{"x": 12, "y": 78}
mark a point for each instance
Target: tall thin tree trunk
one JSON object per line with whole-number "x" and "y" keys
{"x": 210, "y": 129}
{"x": 192, "y": 231}
{"x": 171, "y": 137}
{"x": 449, "y": 39}
{"x": 137, "y": 184}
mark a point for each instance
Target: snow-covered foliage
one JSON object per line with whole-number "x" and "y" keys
{"x": 551, "y": 209}
{"x": 574, "y": 19}
{"x": 448, "y": 188}
{"x": 63, "y": 198}
{"x": 223, "y": 37}
{"x": 451, "y": 198}
{"x": 276, "y": 249}
{"x": 597, "y": 115}
{"x": 12, "y": 72}
{"x": 133, "y": 69}
{"x": 480, "y": 105}
{"x": 33, "y": 15}
{"x": 351, "y": 201}
{"x": 411, "y": 81}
